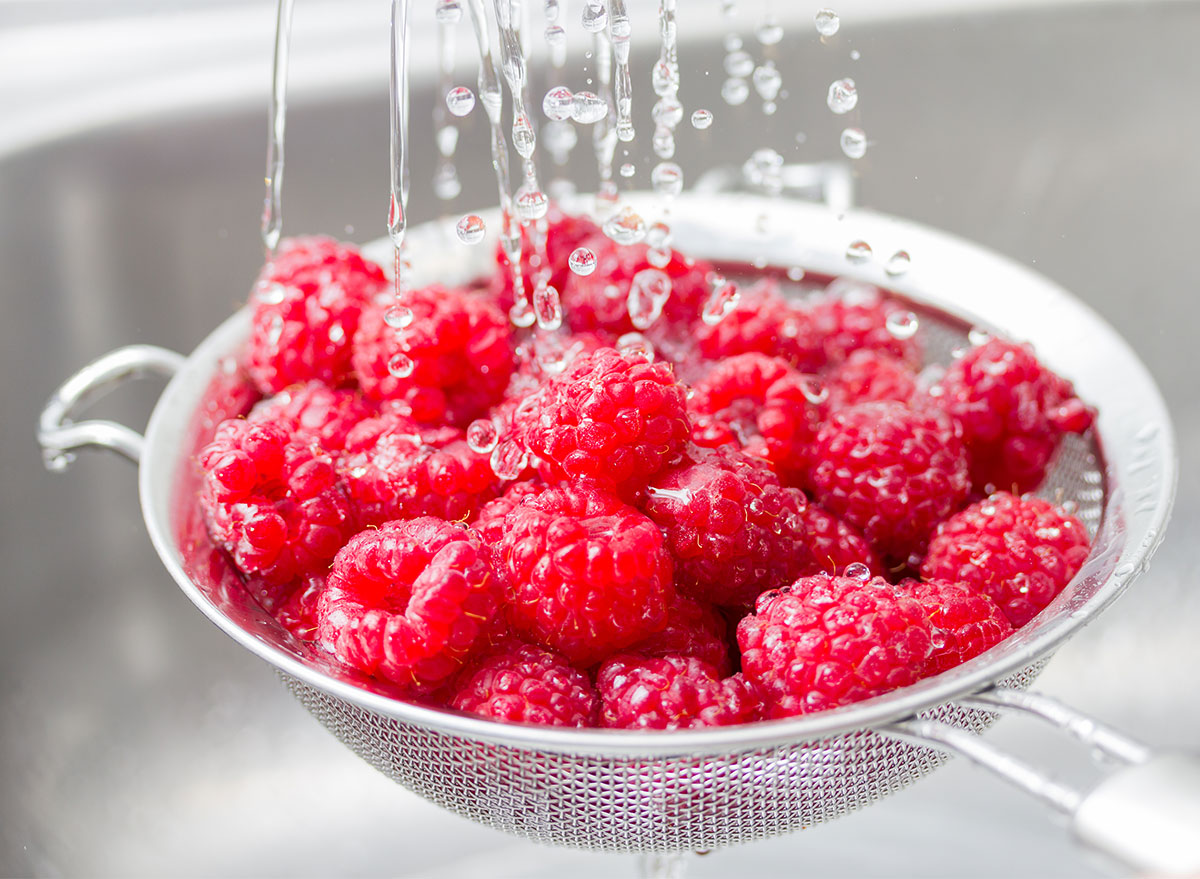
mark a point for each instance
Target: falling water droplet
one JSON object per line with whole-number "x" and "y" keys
{"x": 842, "y": 97}
{"x": 796, "y": 273}
{"x": 667, "y": 178}
{"x": 582, "y": 261}
{"x": 448, "y": 12}
{"x": 898, "y": 263}
{"x": 555, "y": 36}
{"x": 482, "y": 435}
{"x": 770, "y": 32}
{"x": 547, "y": 307}
{"x": 855, "y": 54}
{"x": 857, "y": 571}
{"x": 854, "y": 143}
{"x": 521, "y": 314}
{"x": 739, "y": 64}
{"x": 902, "y": 324}
{"x": 722, "y": 300}
{"x": 559, "y": 103}
{"x": 648, "y": 293}
{"x": 524, "y": 138}
{"x": 509, "y": 459}
{"x": 827, "y": 22}
{"x": 460, "y": 100}
{"x": 401, "y": 365}
{"x": 667, "y": 111}
{"x": 470, "y": 229}
{"x": 595, "y": 16}
{"x": 732, "y": 42}
{"x": 858, "y": 251}
{"x": 625, "y": 227}
{"x": 398, "y": 317}
{"x": 735, "y": 91}
{"x": 636, "y": 345}
{"x": 664, "y": 78}
{"x": 532, "y": 204}
{"x": 270, "y": 294}
{"x": 628, "y": 169}
{"x": 588, "y": 108}
{"x": 767, "y": 81}
{"x": 702, "y": 119}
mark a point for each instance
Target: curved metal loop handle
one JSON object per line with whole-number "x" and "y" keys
{"x": 829, "y": 182}
{"x": 1145, "y": 814}
{"x": 59, "y": 436}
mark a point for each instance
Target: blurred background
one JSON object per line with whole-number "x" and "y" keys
{"x": 135, "y": 739}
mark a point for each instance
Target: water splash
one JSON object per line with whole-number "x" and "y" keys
{"x": 272, "y": 217}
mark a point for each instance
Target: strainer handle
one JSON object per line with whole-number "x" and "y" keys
{"x": 1145, "y": 814}
{"x": 60, "y": 437}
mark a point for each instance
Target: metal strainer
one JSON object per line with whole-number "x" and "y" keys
{"x": 697, "y": 790}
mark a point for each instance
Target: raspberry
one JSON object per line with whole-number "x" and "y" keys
{"x": 396, "y": 469}
{"x": 600, "y": 301}
{"x": 830, "y": 641}
{"x": 460, "y": 350}
{"x": 672, "y": 692}
{"x": 831, "y": 545}
{"x": 693, "y": 629}
{"x": 1021, "y": 552}
{"x": 306, "y": 307}
{"x": 564, "y": 233}
{"x": 766, "y": 405}
{"x": 857, "y": 320}
{"x": 587, "y": 575}
{"x": 764, "y": 322}
{"x": 892, "y": 472}
{"x": 489, "y": 522}
{"x": 611, "y": 418}
{"x": 1013, "y": 413}
{"x": 274, "y": 504}
{"x": 733, "y": 529}
{"x": 314, "y": 411}
{"x": 867, "y": 376}
{"x": 408, "y": 601}
{"x": 965, "y": 622}
{"x": 526, "y": 684}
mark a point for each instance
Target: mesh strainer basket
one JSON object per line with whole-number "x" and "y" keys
{"x": 697, "y": 790}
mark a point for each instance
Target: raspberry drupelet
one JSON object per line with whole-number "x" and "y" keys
{"x": 694, "y": 628}
{"x": 306, "y": 308}
{"x": 966, "y": 622}
{"x": 522, "y": 683}
{"x": 672, "y": 692}
{"x": 1014, "y": 413}
{"x": 828, "y": 641}
{"x": 831, "y": 545}
{"x": 273, "y": 503}
{"x": 586, "y": 574}
{"x": 409, "y": 601}
{"x": 856, "y": 319}
{"x": 314, "y": 411}
{"x": 1021, "y": 552}
{"x": 869, "y": 376}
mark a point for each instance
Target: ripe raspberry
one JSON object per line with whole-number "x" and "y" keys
{"x": 408, "y": 601}
{"x": 587, "y": 575}
{"x": 526, "y": 684}
{"x": 1013, "y": 411}
{"x": 314, "y": 411}
{"x": 564, "y": 233}
{"x": 830, "y": 641}
{"x": 733, "y": 529}
{"x": 396, "y": 469}
{"x": 275, "y": 505}
{"x": 460, "y": 350}
{"x": 600, "y": 301}
{"x": 693, "y": 629}
{"x": 892, "y": 472}
{"x": 611, "y": 418}
{"x": 858, "y": 319}
{"x": 672, "y": 692}
{"x": 489, "y": 522}
{"x": 868, "y": 376}
{"x": 764, "y": 322}
{"x": 831, "y": 545}
{"x": 1021, "y": 552}
{"x": 306, "y": 307}
{"x": 965, "y": 622}
{"x": 767, "y": 405}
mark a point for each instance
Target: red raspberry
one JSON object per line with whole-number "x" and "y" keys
{"x": 409, "y": 601}
{"x": 767, "y": 405}
{"x": 564, "y": 233}
{"x": 600, "y": 301}
{"x": 396, "y": 469}
{"x": 526, "y": 684}
{"x": 611, "y": 418}
{"x": 672, "y": 692}
{"x": 587, "y": 575}
{"x": 489, "y": 522}
{"x": 892, "y": 472}
{"x": 460, "y": 350}
{"x": 867, "y": 376}
{"x": 306, "y": 307}
{"x": 831, "y": 545}
{"x": 733, "y": 529}
{"x": 693, "y": 629}
{"x": 965, "y": 622}
{"x": 830, "y": 641}
{"x": 1019, "y": 551}
{"x": 1013, "y": 412}
{"x": 764, "y": 322}
{"x": 275, "y": 505}
{"x": 314, "y": 411}
{"x": 857, "y": 320}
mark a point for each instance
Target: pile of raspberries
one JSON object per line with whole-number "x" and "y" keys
{"x": 704, "y": 523}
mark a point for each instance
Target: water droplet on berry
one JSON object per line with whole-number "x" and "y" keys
{"x": 401, "y": 365}
{"x": 275, "y": 330}
{"x": 854, "y": 143}
{"x": 702, "y": 119}
{"x": 939, "y": 639}
{"x": 813, "y": 389}
{"x": 636, "y": 345}
{"x": 842, "y": 97}
{"x": 448, "y": 12}
{"x": 460, "y": 100}
{"x": 482, "y": 435}
{"x": 559, "y": 103}
{"x": 588, "y": 108}
{"x": 722, "y": 300}
{"x": 582, "y": 261}
{"x": 648, "y": 293}
{"x": 270, "y": 294}
{"x": 902, "y": 324}
{"x": 857, "y": 571}
{"x": 827, "y": 22}
{"x": 470, "y": 229}
{"x": 509, "y": 459}
{"x": 898, "y": 263}
{"x": 337, "y": 333}
{"x": 625, "y": 227}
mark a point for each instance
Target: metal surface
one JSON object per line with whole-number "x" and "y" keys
{"x": 136, "y": 740}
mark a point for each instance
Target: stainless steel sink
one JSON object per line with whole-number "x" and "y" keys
{"x": 137, "y": 740}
